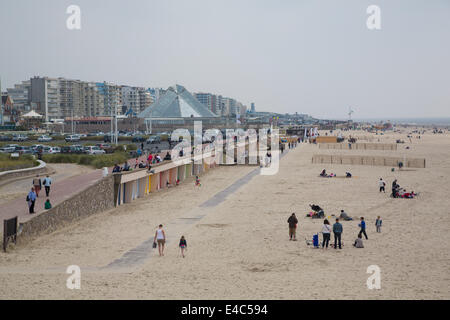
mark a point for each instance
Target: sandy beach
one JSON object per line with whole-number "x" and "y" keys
{"x": 239, "y": 248}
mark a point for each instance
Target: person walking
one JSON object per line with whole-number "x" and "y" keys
{"x": 47, "y": 183}
{"x": 382, "y": 185}
{"x": 292, "y": 221}
{"x": 326, "y": 232}
{"x": 31, "y": 199}
{"x": 362, "y": 225}
{"x": 37, "y": 184}
{"x": 378, "y": 224}
{"x": 183, "y": 245}
{"x": 337, "y": 230}
{"x": 160, "y": 239}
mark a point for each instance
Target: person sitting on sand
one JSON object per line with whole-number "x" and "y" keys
{"x": 323, "y": 173}
{"x": 358, "y": 242}
{"x": 168, "y": 156}
{"x": 345, "y": 216}
{"x": 47, "y": 204}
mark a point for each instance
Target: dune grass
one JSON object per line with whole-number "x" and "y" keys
{"x": 24, "y": 161}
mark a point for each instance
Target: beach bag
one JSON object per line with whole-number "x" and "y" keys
{"x": 154, "y": 245}
{"x": 316, "y": 240}
{"x": 28, "y": 198}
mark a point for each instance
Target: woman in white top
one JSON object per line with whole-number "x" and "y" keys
{"x": 160, "y": 237}
{"x": 326, "y": 231}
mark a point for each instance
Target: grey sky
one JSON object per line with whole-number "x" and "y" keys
{"x": 309, "y": 56}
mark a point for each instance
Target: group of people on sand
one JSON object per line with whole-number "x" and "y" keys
{"x": 32, "y": 196}
{"x": 397, "y": 191}
{"x": 324, "y": 174}
{"x": 159, "y": 241}
{"x": 337, "y": 230}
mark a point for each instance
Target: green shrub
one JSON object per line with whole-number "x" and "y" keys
{"x": 97, "y": 161}
{"x": 131, "y": 147}
{"x": 24, "y": 161}
{"x": 119, "y": 148}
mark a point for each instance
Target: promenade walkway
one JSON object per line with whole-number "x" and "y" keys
{"x": 60, "y": 191}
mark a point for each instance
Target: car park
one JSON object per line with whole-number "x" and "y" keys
{"x": 93, "y": 150}
{"x": 45, "y": 138}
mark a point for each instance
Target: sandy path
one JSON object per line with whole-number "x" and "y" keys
{"x": 240, "y": 248}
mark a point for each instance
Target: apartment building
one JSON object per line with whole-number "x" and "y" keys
{"x": 21, "y": 95}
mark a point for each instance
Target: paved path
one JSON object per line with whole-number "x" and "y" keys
{"x": 60, "y": 191}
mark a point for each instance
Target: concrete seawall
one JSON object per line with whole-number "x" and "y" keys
{"x": 97, "y": 198}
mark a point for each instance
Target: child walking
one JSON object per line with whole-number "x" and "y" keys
{"x": 183, "y": 245}
{"x": 197, "y": 182}
{"x": 378, "y": 224}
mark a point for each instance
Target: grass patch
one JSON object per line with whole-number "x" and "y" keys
{"x": 24, "y": 161}
{"x": 96, "y": 161}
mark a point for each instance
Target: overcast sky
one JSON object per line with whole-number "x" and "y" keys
{"x": 307, "y": 56}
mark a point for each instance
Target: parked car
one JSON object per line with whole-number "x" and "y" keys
{"x": 36, "y": 148}
{"x": 72, "y": 138}
{"x": 24, "y": 150}
{"x": 107, "y": 138}
{"x": 138, "y": 139}
{"x": 45, "y": 138}
{"x": 77, "y": 148}
{"x": 72, "y": 149}
{"x": 7, "y": 149}
{"x": 106, "y": 146}
{"x": 153, "y": 140}
{"x": 51, "y": 150}
{"x": 93, "y": 150}
{"x": 5, "y": 138}
{"x": 19, "y": 137}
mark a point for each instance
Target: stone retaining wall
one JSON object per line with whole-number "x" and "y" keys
{"x": 97, "y": 198}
